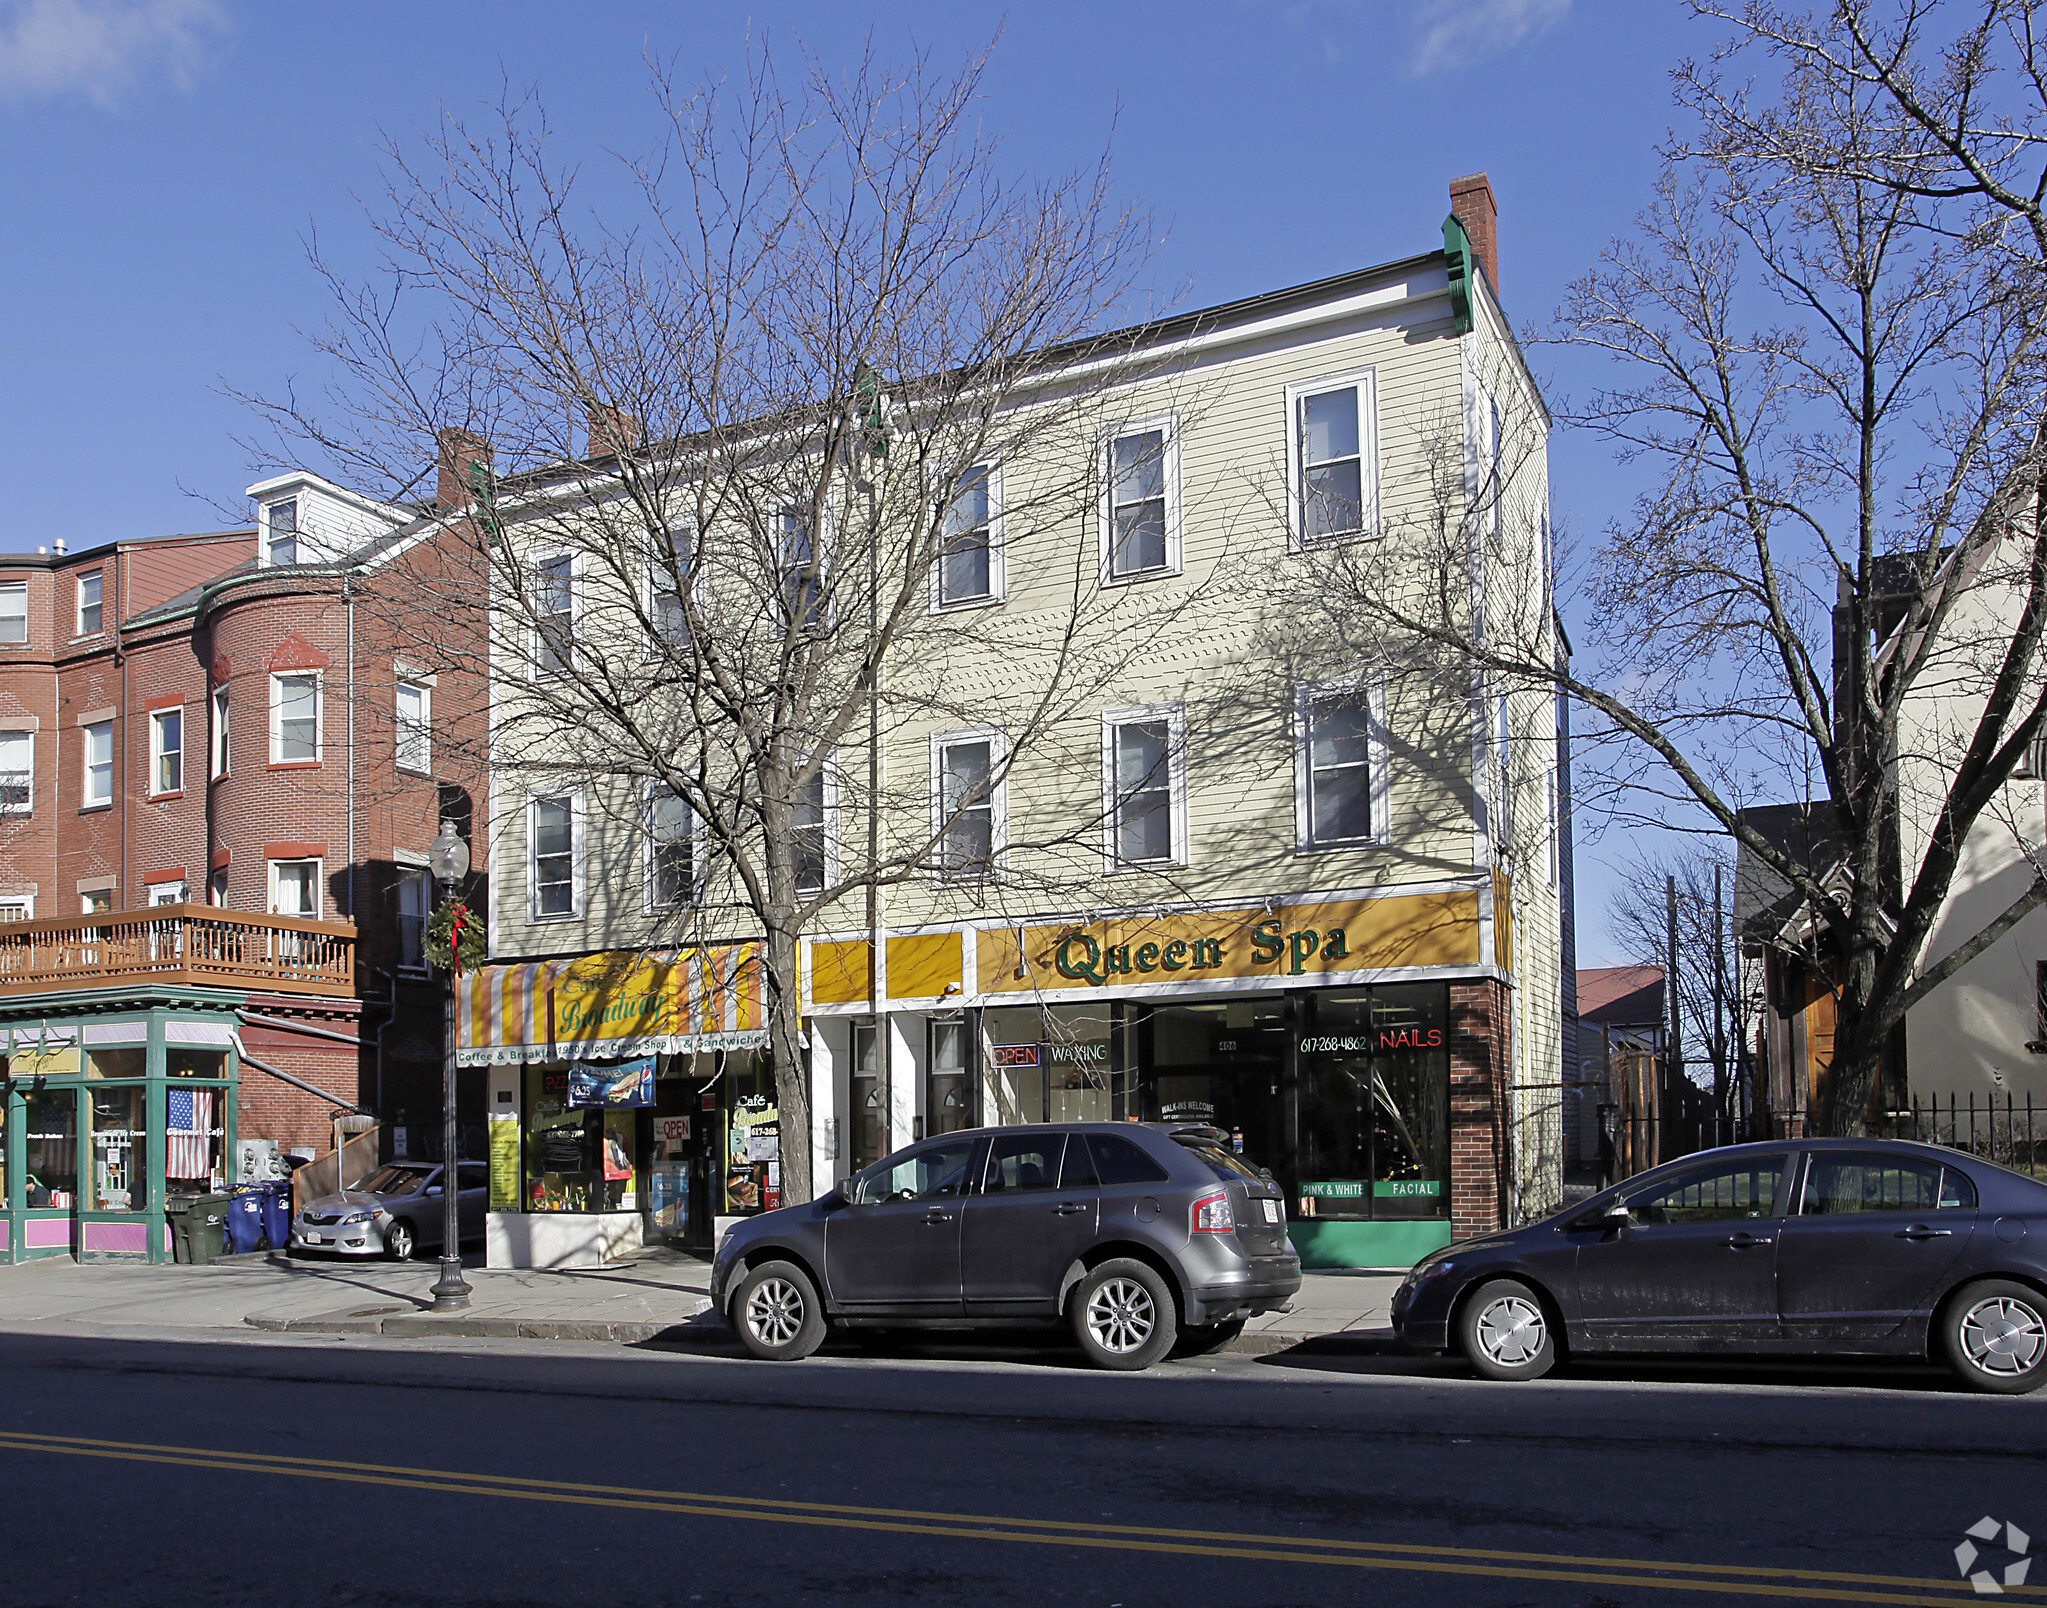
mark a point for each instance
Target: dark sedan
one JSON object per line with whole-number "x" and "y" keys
{"x": 1144, "y": 1240}
{"x": 1808, "y": 1247}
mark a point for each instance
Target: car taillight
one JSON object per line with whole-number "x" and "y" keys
{"x": 1212, "y": 1215}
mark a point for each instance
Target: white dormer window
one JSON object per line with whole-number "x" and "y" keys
{"x": 281, "y": 532}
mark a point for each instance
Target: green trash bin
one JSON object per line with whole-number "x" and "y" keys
{"x": 198, "y": 1227}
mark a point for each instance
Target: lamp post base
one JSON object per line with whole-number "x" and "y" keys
{"x": 450, "y": 1292}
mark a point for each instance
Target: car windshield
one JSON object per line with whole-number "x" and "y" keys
{"x": 1225, "y": 1164}
{"x": 392, "y": 1181}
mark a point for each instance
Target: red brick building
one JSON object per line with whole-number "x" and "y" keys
{"x": 237, "y": 746}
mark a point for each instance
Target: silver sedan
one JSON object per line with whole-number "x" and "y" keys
{"x": 394, "y": 1212}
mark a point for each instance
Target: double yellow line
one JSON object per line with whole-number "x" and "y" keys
{"x": 1799, "y": 1585}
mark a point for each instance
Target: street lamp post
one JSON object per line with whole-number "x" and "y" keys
{"x": 447, "y": 857}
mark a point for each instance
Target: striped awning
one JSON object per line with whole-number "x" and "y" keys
{"x": 612, "y": 1005}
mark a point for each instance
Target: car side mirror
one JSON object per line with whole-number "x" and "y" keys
{"x": 833, "y": 1199}
{"x": 433, "y": 1189}
{"x": 1614, "y": 1216}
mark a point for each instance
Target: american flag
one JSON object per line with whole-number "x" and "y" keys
{"x": 188, "y": 1125}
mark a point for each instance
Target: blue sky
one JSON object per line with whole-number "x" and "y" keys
{"x": 167, "y": 158}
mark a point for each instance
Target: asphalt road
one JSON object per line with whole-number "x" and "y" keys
{"x": 382, "y": 1474}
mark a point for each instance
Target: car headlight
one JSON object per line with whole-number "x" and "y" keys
{"x": 1429, "y": 1270}
{"x": 358, "y": 1217}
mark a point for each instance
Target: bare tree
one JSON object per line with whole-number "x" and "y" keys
{"x": 804, "y": 335}
{"x": 1828, "y": 368}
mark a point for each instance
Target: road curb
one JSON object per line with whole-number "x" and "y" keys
{"x": 419, "y": 1325}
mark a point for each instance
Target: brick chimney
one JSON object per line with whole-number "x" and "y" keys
{"x": 458, "y": 450}
{"x": 612, "y": 430}
{"x": 1472, "y": 204}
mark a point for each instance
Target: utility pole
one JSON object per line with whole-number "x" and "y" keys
{"x": 1673, "y": 1055}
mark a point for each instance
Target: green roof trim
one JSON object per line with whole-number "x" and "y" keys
{"x": 1462, "y": 263}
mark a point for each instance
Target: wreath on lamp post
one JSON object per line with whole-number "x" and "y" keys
{"x": 452, "y": 916}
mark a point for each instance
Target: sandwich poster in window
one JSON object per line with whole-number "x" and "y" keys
{"x": 630, "y": 1083}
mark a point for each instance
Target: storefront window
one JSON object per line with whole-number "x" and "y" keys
{"x": 182, "y": 1062}
{"x": 52, "y": 1152}
{"x": 116, "y": 1063}
{"x": 1375, "y": 1104}
{"x": 192, "y": 1139}
{"x": 120, "y": 1150}
{"x": 1219, "y": 1062}
{"x": 949, "y": 1090}
{"x": 753, "y": 1137}
{"x": 576, "y": 1160}
{"x": 1049, "y": 1063}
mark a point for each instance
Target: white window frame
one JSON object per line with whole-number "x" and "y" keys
{"x": 12, "y": 589}
{"x": 91, "y": 800}
{"x": 998, "y": 575}
{"x": 578, "y": 894}
{"x": 158, "y": 753}
{"x": 216, "y": 887}
{"x": 277, "y": 680}
{"x": 163, "y": 893}
{"x": 318, "y": 884}
{"x": 220, "y": 749}
{"x": 828, "y": 777}
{"x": 535, "y": 671}
{"x": 1366, "y": 382}
{"x": 298, "y": 531}
{"x": 412, "y": 876}
{"x": 821, "y": 553}
{"x": 28, "y": 805}
{"x": 650, "y": 901}
{"x": 1175, "y": 717}
{"x": 998, "y": 800}
{"x": 657, "y": 588}
{"x": 24, "y": 902}
{"x": 1105, "y": 463}
{"x": 407, "y": 733}
{"x": 1378, "y": 756}
{"x": 78, "y": 591}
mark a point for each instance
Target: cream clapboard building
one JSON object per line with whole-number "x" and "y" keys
{"x": 1310, "y": 897}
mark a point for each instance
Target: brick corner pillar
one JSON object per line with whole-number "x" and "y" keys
{"x": 1479, "y": 1025}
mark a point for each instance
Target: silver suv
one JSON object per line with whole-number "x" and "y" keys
{"x": 1145, "y": 1239}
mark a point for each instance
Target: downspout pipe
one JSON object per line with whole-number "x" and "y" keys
{"x": 301, "y": 1083}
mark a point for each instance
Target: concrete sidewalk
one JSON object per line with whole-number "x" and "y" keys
{"x": 656, "y": 1295}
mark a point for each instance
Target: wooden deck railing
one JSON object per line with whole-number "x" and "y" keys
{"x": 181, "y": 944}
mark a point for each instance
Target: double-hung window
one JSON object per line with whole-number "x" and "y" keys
{"x": 281, "y": 532}
{"x": 1335, "y": 457}
{"x": 295, "y": 887}
{"x": 414, "y": 720}
{"x": 1503, "y": 771}
{"x": 415, "y": 905}
{"x": 970, "y": 557}
{"x": 91, "y": 603}
{"x": 969, "y": 804}
{"x": 295, "y": 718}
{"x": 1144, "y": 786}
{"x": 99, "y": 763}
{"x": 17, "y": 772}
{"x": 809, "y": 822}
{"x": 668, "y": 585}
{"x": 551, "y": 857}
{"x": 553, "y": 592}
{"x": 1341, "y": 766}
{"x": 803, "y": 578}
{"x": 671, "y": 849}
{"x": 1143, "y": 514}
{"x": 167, "y": 751}
{"x": 13, "y": 613}
{"x": 220, "y": 731}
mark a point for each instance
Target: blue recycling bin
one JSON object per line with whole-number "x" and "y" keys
{"x": 277, "y": 1213}
{"x": 245, "y": 1219}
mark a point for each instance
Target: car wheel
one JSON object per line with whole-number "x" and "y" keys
{"x": 1995, "y": 1337}
{"x": 1207, "y": 1339}
{"x": 776, "y": 1313}
{"x": 1124, "y": 1317}
{"x": 400, "y": 1241}
{"x": 1504, "y": 1332}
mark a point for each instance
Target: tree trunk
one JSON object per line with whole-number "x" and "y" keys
{"x": 792, "y": 1068}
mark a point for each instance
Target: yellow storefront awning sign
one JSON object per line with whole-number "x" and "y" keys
{"x": 608, "y": 1006}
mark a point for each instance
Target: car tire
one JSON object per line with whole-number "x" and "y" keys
{"x": 1504, "y": 1331}
{"x": 1124, "y": 1316}
{"x": 777, "y": 1314}
{"x": 1205, "y": 1340}
{"x": 401, "y": 1240}
{"x": 1994, "y": 1336}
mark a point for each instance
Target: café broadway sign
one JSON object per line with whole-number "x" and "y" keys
{"x": 1331, "y": 939}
